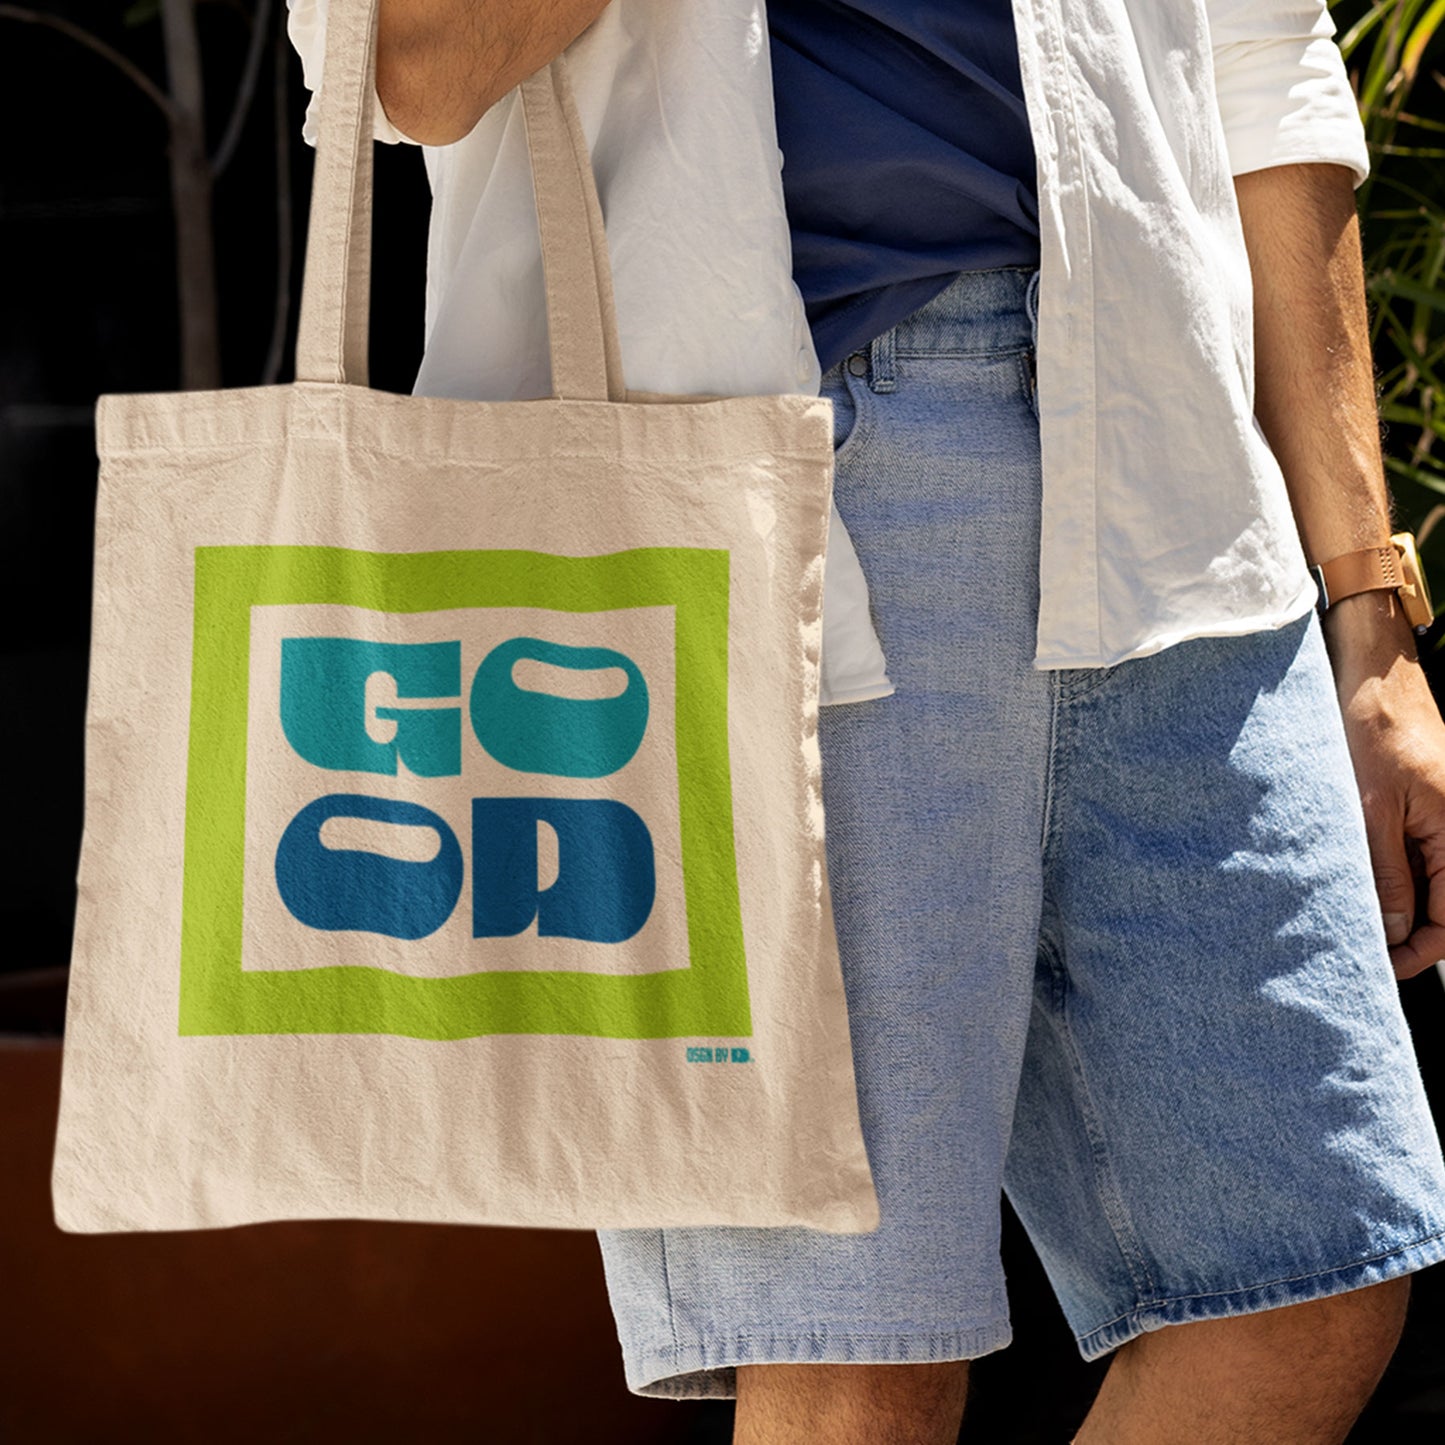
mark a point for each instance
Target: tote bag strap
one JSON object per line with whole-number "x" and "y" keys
{"x": 331, "y": 343}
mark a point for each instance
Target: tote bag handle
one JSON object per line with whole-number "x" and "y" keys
{"x": 331, "y": 343}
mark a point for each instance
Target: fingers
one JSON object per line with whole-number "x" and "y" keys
{"x": 1394, "y": 880}
{"x": 1424, "y": 851}
{"x": 1425, "y": 946}
{"x": 1422, "y": 951}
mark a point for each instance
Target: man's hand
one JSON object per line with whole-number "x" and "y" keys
{"x": 1397, "y": 745}
{"x": 442, "y": 64}
{"x": 1315, "y": 400}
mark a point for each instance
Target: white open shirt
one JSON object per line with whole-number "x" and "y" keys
{"x": 1165, "y": 513}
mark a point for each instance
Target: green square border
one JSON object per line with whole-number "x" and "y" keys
{"x": 709, "y": 998}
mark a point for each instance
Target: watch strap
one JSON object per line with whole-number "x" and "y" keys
{"x": 1369, "y": 570}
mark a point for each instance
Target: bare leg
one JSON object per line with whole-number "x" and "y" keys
{"x": 1299, "y": 1375}
{"x": 850, "y": 1404}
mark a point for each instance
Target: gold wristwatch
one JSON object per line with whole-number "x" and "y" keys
{"x": 1393, "y": 567}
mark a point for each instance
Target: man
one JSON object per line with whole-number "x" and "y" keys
{"x": 1121, "y": 870}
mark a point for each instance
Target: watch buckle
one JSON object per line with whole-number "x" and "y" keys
{"x": 1413, "y": 592}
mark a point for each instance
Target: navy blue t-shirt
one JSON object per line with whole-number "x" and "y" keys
{"x": 907, "y": 156}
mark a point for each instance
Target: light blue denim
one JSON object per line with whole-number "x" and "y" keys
{"x": 1109, "y": 939}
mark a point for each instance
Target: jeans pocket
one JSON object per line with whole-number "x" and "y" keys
{"x": 851, "y": 409}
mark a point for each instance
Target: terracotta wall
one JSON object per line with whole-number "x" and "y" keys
{"x": 296, "y": 1332}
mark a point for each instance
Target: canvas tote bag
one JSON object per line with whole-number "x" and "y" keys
{"x": 454, "y": 838}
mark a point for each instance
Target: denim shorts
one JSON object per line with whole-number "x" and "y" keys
{"x": 1109, "y": 936}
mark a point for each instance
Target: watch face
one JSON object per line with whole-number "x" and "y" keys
{"x": 1415, "y": 594}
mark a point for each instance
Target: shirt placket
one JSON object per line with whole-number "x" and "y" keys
{"x": 1069, "y": 631}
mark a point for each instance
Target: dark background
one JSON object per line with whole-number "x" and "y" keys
{"x": 90, "y": 308}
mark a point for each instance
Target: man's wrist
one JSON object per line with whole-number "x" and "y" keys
{"x": 1369, "y": 624}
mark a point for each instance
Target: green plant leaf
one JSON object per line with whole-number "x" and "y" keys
{"x": 1388, "y": 283}
{"x": 1435, "y": 481}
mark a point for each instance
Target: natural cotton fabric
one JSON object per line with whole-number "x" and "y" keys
{"x": 454, "y": 843}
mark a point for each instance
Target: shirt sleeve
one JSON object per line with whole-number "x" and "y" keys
{"x": 1283, "y": 93}
{"x": 306, "y": 29}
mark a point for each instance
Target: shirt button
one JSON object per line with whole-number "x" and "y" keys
{"x": 858, "y": 364}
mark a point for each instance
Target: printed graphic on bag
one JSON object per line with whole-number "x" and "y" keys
{"x": 506, "y": 771}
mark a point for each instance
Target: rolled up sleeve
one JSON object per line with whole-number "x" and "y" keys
{"x": 1283, "y": 93}
{"x": 306, "y": 29}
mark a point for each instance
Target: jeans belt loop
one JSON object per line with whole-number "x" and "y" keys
{"x": 882, "y": 372}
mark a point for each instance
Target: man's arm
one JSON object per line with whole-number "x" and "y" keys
{"x": 442, "y": 64}
{"x": 1315, "y": 400}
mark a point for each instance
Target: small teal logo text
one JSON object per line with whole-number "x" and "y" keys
{"x": 704, "y": 1055}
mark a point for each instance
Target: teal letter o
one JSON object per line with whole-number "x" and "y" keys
{"x": 565, "y": 737}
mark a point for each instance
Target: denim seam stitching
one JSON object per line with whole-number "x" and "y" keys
{"x": 667, "y": 1287}
{"x": 883, "y": 363}
{"x": 1179, "y": 1299}
{"x": 706, "y": 1348}
{"x": 1050, "y": 763}
{"x": 1111, "y": 1200}
{"x": 822, "y": 1335}
{"x": 1077, "y": 683}
{"x": 937, "y": 353}
{"x": 860, "y": 395}
{"x": 1026, "y": 379}
{"x": 1116, "y": 1214}
{"x": 1013, "y": 1039}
